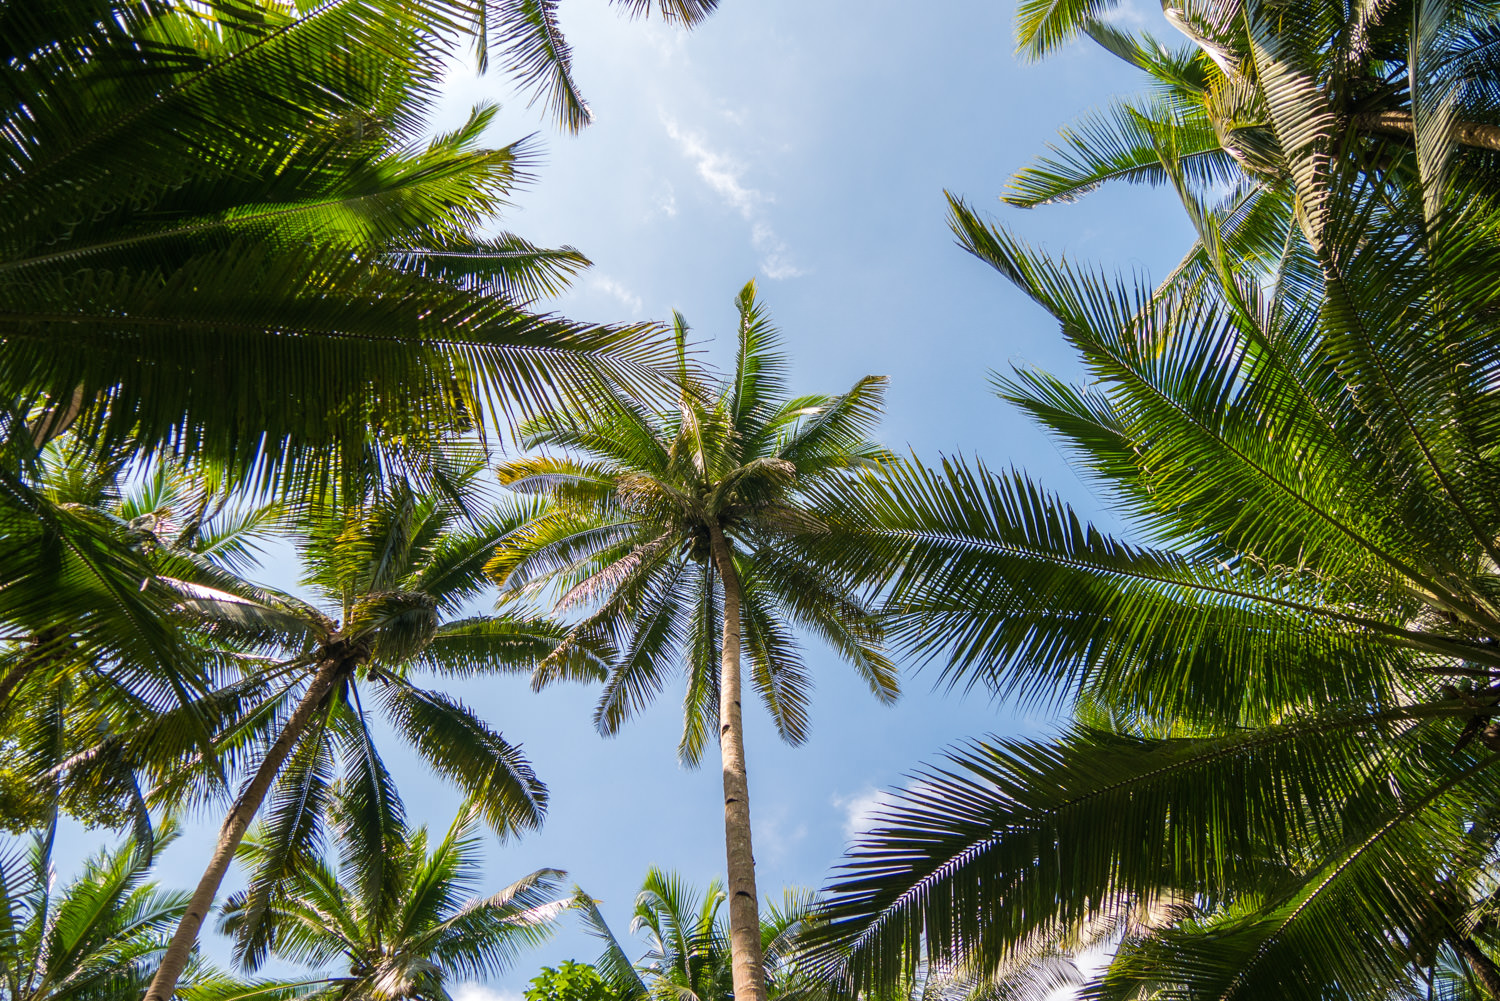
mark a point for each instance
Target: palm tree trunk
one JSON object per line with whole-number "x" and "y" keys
{"x": 748, "y": 966}
{"x": 56, "y": 419}
{"x": 1483, "y": 968}
{"x": 175, "y": 959}
{"x": 1399, "y": 125}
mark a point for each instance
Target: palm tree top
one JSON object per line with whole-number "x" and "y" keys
{"x": 685, "y": 930}
{"x": 637, "y": 497}
{"x": 732, "y": 454}
{"x": 406, "y": 928}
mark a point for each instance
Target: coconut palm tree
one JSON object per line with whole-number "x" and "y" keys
{"x": 97, "y": 936}
{"x": 687, "y": 943}
{"x": 687, "y": 953}
{"x": 247, "y": 189}
{"x": 85, "y": 698}
{"x": 404, "y": 922}
{"x": 1285, "y": 674}
{"x": 396, "y": 573}
{"x": 1267, "y": 103}
{"x": 682, "y": 536}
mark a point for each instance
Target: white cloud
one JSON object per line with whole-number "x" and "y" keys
{"x": 471, "y": 991}
{"x": 1128, "y": 15}
{"x": 667, "y": 43}
{"x": 667, "y": 201}
{"x": 774, "y": 262}
{"x": 718, "y": 170}
{"x": 619, "y": 292}
{"x": 725, "y": 177}
{"x": 860, "y": 810}
{"x": 777, "y": 267}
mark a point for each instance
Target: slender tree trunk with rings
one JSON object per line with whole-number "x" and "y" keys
{"x": 748, "y": 966}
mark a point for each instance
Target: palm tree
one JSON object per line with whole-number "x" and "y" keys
{"x": 687, "y": 956}
{"x": 1388, "y": 71}
{"x": 687, "y": 941}
{"x": 1285, "y": 676}
{"x": 684, "y": 534}
{"x": 95, "y": 636}
{"x": 1268, "y": 103}
{"x": 403, "y": 921}
{"x": 396, "y": 572}
{"x": 97, "y": 937}
{"x": 253, "y": 195}
{"x": 246, "y": 188}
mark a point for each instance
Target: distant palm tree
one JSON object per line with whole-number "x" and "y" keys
{"x": 96, "y": 937}
{"x": 684, "y": 536}
{"x": 687, "y": 938}
{"x": 403, "y": 922}
{"x": 687, "y": 957}
{"x": 396, "y": 573}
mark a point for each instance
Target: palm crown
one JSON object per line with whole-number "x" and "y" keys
{"x": 639, "y": 504}
{"x": 687, "y": 943}
{"x": 685, "y": 537}
{"x": 1254, "y": 118}
{"x": 396, "y": 571}
{"x": 405, "y": 923}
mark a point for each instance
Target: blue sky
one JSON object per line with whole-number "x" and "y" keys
{"x": 806, "y": 143}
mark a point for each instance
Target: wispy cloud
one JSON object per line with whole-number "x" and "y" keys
{"x": 667, "y": 201}
{"x": 776, "y": 835}
{"x": 618, "y": 292}
{"x": 1127, "y": 14}
{"x": 718, "y": 170}
{"x": 725, "y": 176}
{"x": 861, "y": 809}
{"x": 774, "y": 260}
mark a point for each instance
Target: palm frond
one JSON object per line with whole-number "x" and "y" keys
{"x": 460, "y": 747}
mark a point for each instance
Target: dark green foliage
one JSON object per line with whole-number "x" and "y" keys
{"x": 248, "y": 189}
{"x": 569, "y": 981}
{"x": 1284, "y": 669}
{"x": 401, "y": 916}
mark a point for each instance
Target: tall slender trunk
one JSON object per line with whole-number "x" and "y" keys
{"x": 175, "y": 959}
{"x": 56, "y": 419}
{"x": 1483, "y": 968}
{"x": 1399, "y": 124}
{"x": 748, "y": 966}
